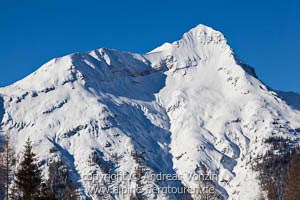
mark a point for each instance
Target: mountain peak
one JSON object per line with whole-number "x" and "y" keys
{"x": 204, "y": 34}
{"x": 196, "y": 38}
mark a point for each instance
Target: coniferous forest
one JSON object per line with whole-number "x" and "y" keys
{"x": 22, "y": 179}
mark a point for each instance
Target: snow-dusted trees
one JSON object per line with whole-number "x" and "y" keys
{"x": 59, "y": 182}
{"x": 279, "y": 170}
{"x": 292, "y": 190}
{"x": 2, "y": 185}
{"x": 2, "y": 173}
{"x": 139, "y": 172}
{"x": 26, "y": 183}
{"x": 273, "y": 167}
{"x": 206, "y": 189}
{"x": 7, "y": 162}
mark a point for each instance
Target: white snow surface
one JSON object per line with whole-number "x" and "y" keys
{"x": 181, "y": 107}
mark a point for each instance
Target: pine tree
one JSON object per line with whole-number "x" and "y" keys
{"x": 292, "y": 191}
{"x": 28, "y": 178}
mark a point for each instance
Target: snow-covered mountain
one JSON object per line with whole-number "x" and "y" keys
{"x": 184, "y": 108}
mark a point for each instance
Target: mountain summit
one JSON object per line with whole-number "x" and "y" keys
{"x": 187, "y": 107}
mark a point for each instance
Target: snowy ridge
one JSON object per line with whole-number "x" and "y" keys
{"x": 180, "y": 108}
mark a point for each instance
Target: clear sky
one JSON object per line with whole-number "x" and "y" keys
{"x": 265, "y": 34}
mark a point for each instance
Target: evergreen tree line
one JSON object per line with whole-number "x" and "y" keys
{"x": 279, "y": 170}
{"x": 25, "y": 181}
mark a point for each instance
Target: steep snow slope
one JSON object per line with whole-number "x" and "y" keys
{"x": 182, "y": 108}
{"x": 84, "y": 104}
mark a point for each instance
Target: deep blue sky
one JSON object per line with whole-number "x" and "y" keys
{"x": 265, "y": 34}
